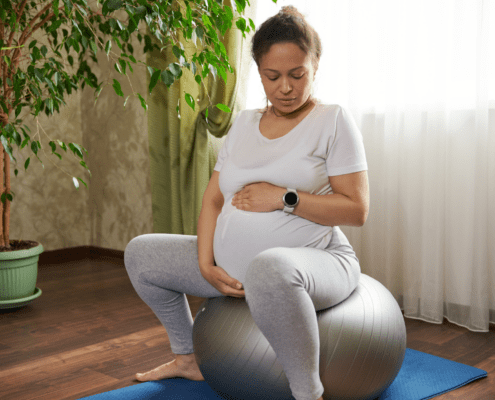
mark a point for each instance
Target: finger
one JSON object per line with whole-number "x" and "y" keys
{"x": 236, "y": 285}
{"x": 239, "y": 296}
{"x": 228, "y": 281}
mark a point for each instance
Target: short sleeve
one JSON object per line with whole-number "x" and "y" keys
{"x": 346, "y": 153}
{"x": 227, "y": 144}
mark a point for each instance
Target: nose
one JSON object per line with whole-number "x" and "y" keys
{"x": 285, "y": 87}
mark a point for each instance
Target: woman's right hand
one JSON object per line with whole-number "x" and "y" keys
{"x": 222, "y": 281}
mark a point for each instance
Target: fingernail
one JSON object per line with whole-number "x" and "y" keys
{"x": 239, "y": 286}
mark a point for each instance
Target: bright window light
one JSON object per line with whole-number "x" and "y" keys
{"x": 391, "y": 54}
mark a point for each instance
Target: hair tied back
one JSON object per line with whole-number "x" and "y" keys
{"x": 292, "y": 11}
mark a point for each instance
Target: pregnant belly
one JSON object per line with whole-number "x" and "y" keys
{"x": 241, "y": 235}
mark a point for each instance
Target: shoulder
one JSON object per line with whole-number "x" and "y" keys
{"x": 329, "y": 109}
{"x": 248, "y": 116}
{"x": 326, "y": 115}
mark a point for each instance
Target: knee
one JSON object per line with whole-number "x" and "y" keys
{"x": 132, "y": 251}
{"x": 270, "y": 269}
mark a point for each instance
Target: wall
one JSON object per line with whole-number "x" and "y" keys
{"x": 116, "y": 206}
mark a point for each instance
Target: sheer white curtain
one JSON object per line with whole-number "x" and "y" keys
{"x": 419, "y": 79}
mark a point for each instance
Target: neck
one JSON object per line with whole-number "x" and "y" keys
{"x": 279, "y": 113}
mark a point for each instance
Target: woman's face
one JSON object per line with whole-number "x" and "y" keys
{"x": 287, "y": 75}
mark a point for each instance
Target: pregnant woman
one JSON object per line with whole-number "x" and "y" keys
{"x": 286, "y": 177}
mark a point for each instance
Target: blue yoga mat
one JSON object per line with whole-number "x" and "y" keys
{"x": 422, "y": 376}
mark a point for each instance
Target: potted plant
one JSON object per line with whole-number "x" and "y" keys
{"x": 35, "y": 75}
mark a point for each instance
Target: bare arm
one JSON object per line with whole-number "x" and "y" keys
{"x": 348, "y": 205}
{"x": 211, "y": 207}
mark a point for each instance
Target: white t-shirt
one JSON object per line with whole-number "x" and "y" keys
{"x": 325, "y": 143}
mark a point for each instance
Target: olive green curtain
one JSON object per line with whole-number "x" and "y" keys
{"x": 184, "y": 151}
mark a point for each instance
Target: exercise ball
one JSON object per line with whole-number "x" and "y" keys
{"x": 362, "y": 347}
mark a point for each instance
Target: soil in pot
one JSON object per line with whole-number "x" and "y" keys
{"x": 19, "y": 245}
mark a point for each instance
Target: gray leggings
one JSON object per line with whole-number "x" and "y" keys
{"x": 283, "y": 286}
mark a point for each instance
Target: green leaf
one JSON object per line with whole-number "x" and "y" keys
{"x": 190, "y": 100}
{"x": 223, "y": 107}
{"x": 18, "y": 110}
{"x": 68, "y": 6}
{"x": 44, "y": 50}
{"x": 113, "y": 5}
{"x": 77, "y": 150}
{"x": 189, "y": 13}
{"x": 229, "y": 12}
{"x": 34, "y": 147}
{"x": 252, "y": 23}
{"x": 55, "y": 8}
{"x": 32, "y": 44}
{"x": 206, "y": 20}
{"x": 57, "y": 78}
{"x": 108, "y": 46}
{"x": 123, "y": 64}
{"x": 222, "y": 73}
{"x": 167, "y": 78}
{"x": 93, "y": 46}
{"x": 143, "y": 102}
{"x": 213, "y": 71}
{"x": 62, "y": 145}
{"x": 176, "y": 51}
{"x": 26, "y": 164}
{"x": 84, "y": 165}
{"x": 125, "y": 101}
{"x": 117, "y": 88}
{"x": 76, "y": 183}
{"x": 241, "y": 24}
{"x": 175, "y": 69}
{"x": 154, "y": 79}
{"x": 200, "y": 32}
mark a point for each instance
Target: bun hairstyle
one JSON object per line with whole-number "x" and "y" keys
{"x": 289, "y": 25}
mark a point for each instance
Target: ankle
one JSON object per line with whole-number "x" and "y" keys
{"x": 186, "y": 358}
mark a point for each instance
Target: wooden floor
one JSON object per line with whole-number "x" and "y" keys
{"x": 89, "y": 332}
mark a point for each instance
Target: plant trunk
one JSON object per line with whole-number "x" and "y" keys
{"x": 4, "y": 188}
{"x": 6, "y": 211}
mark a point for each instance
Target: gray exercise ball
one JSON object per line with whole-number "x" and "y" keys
{"x": 362, "y": 347}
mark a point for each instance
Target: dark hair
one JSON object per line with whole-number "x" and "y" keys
{"x": 289, "y": 25}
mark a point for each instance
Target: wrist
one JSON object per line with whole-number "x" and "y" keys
{"x": 290, "y": 200}
{"x": 280, "y": 204}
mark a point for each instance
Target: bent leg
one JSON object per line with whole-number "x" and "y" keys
{"x": 284, "y": 288}
{"x": 163, "y": 268}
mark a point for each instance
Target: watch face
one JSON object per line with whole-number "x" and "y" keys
{"x": 291, "y": 198}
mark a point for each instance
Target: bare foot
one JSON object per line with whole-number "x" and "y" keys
{"x": 173, "y": 369}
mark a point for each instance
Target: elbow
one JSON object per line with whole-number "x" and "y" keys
{"x": 362, "y": 216}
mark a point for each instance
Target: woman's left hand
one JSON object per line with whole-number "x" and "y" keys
{"x": 259, "y": 197}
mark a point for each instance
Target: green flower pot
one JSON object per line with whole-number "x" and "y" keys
{"x": 18, "y": 274}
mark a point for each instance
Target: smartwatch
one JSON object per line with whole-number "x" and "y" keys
{"x": 291, "y": 200}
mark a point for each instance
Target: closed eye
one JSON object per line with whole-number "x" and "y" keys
{"x": 295, "y": 77}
